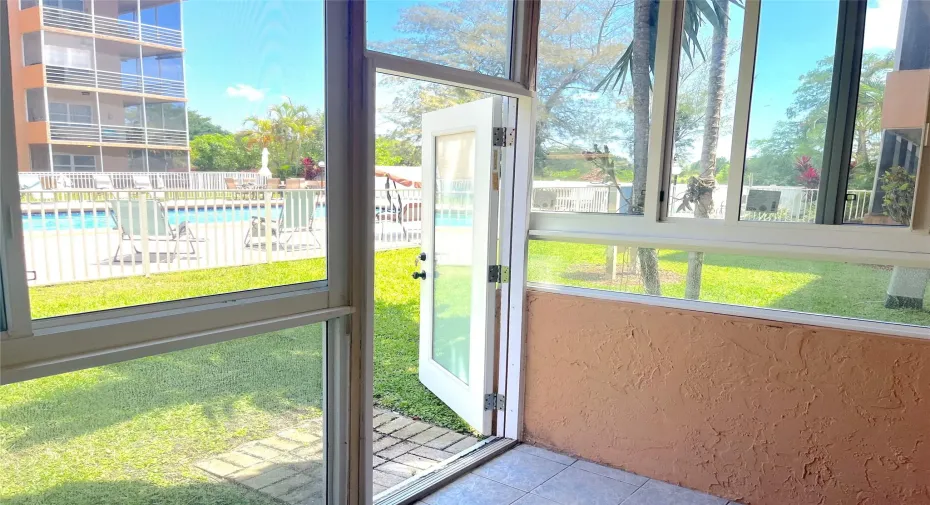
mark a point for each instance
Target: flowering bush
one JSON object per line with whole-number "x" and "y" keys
{"x": 807, "y": 174}
{"x": 311, "y": 169}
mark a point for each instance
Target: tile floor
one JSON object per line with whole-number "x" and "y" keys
{"x": 528, "y": 475}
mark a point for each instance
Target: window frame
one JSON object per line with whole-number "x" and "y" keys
{"x": 33, "y": 348}
{"x": 886, "y": 245}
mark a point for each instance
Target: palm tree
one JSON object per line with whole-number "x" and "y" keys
{"x": 284, "y": 132}
{"x": 639, "y": 61}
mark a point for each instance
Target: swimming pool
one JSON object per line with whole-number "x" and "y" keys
{"x": 100, "y": 219}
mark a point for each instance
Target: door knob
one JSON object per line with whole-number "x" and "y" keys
{"x": 419, "y": 275}
{"x": 422, "y": 256}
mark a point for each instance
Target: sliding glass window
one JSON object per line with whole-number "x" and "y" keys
{"x": 593, "y": 108}
{"x": 164, "y": 170}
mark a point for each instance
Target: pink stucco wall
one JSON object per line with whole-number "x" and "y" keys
{"x": 757, "y": 411}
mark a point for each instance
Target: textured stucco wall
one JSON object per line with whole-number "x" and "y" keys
{"x": 757, "y": 411}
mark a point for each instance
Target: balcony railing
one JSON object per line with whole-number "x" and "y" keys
{"x": 114, "y": 80}
{"x": 102, "y": 25}
{"x": 74, "y": 131}
{"x": 88, "y": 132}
{"x": 159, "y": 137}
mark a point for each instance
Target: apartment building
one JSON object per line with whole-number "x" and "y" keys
{"x": 99, "y": 85}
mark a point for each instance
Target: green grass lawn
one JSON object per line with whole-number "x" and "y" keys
{"x": 839, "y": 289}
{"x": 130, "y": 432}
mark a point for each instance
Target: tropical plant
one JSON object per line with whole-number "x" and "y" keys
{"x": 312, "y": 169}
{"x": 808, "y": 175}
{"x": 899, "y": 187}
{"x": 290, "y": 133}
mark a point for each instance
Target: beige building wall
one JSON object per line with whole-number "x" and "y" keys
{"x": 760, "y": 412}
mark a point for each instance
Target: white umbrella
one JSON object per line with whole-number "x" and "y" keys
{"x": 264, "y": 172}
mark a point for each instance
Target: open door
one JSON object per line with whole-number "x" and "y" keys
{"x": 460, "y": 201}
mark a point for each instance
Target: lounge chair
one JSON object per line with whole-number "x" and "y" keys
{"x": 392, "y": 209}
{"x": 142, "y": 182}
{"x": 292, "y": 183}
{"x": 128, "y": 218}
{"x": 32, "y": 184}
{"x": 295, "y": 216}
{"x": 230, "y": 183}
{"x": 103, "y": 182}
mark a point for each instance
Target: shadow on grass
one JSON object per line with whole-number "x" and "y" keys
{"x": 279, "y": 372}
{"x": 142, "y": 493}
{"x": 752, "y": 262}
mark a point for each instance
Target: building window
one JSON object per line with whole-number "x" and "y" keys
{"x": 70, "y": 113}
{"x": 74, "y": 163}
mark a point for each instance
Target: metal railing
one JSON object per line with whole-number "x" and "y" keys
{"x": 74, "y": 131}
{"x": 162, "y": 35}
{"x": 161, "y": 137}
{"x": 79, "y": 235}
{"x": 105, "y": 79}
{"x": 103, "y": 25}
{"x": 123, "y": 134}
{"x": 89, "y": 132}
{"x": 158, "y": 180}
{"x": 161, "y": 86}
{"x": 796, "y": 204}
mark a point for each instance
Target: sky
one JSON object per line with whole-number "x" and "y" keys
{"x": 242, "y": 56}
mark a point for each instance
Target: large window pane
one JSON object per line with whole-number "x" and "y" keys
{"x": 788, "y": 116}
{"x": 889, "y": 127}
{"x": 235, "y": 423}
{"x": 592, "y": 132}
{"x": 707, "y": 78}
{"x": 872, "y": 292}
{"x": 468, "y": 34}
{"x": 155, "y": 185}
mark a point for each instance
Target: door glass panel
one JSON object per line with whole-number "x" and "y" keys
{"x": 788, "y": 115}
{"x": 455, "y": 170}
{"x": 888, "y": 132}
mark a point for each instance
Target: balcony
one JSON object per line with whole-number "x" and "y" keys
{"x": 117, "y": 81}
{"x": 115, "y": 134}
{"x": 68, "y": 19}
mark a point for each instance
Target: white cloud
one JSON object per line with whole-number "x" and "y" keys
{"x": 881, "y": 25}
{"x": 245, "y": 91}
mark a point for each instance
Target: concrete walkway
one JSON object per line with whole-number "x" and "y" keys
{"x": 288, "y": 466}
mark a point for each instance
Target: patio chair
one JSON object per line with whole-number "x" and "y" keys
{"x": 142, "y": 182}
{"x": 31, "y": 184}
{"x": 128, "y": 218}
{"x": 296, "y": 216}
{"x": 392, "y": 209}
{"x": 103, "y": 182}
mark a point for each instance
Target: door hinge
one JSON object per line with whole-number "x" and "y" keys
{"x": 494, "y": 401}
{"x": 498, "y": 273}
{"x": 503, "y": 137}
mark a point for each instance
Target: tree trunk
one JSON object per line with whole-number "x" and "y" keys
{"x": 639, "y": 75}
{"x": 716, "y": 86}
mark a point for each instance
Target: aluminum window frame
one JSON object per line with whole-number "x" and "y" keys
{"x": 30, "y": 349}
{"x": 860, "y": 243}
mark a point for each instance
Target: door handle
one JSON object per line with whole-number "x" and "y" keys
{"x": 420, "y": 275}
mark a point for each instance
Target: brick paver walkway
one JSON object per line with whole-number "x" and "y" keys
{"x": 288, "y": 466}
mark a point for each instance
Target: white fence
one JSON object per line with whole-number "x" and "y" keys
{"x": 796, "y": 204}
{"x": 79, "y": 235}
{"x": 128, "y": 180}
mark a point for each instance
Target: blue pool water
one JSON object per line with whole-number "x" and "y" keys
{"x": 89, "y": 220}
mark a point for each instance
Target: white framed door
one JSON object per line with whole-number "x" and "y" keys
{"x": 460, "y": 219}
